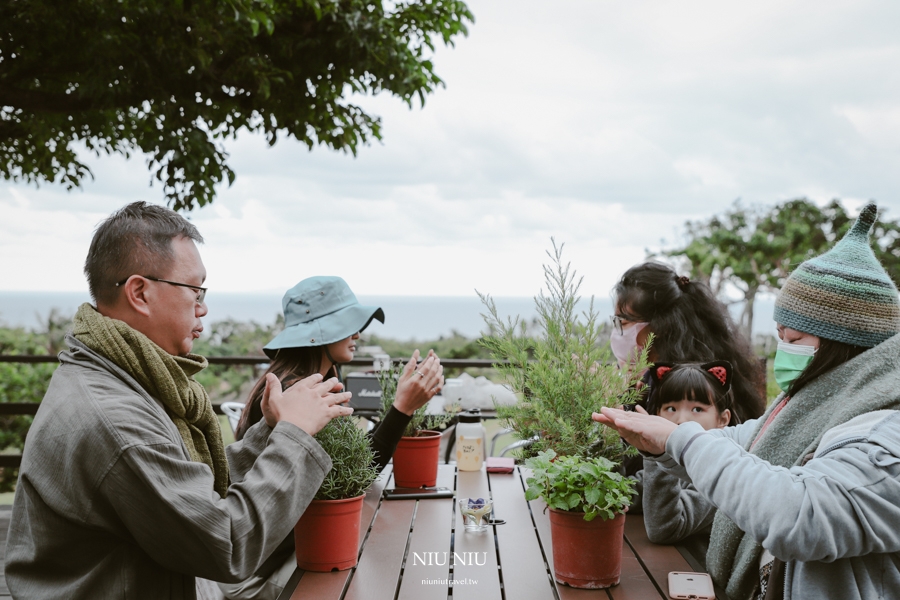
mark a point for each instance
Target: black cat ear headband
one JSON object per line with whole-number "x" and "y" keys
{"x": 720, "y": 369}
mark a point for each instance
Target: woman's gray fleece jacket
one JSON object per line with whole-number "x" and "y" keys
{"x": 835, "y": 521}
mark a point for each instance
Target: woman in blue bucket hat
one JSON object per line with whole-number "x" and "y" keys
{"x": 322, "y": 321}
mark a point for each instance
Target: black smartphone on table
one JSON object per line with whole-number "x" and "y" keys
{"x": 417, "y": 493}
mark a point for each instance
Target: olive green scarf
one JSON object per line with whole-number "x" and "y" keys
{"x": 867, "y": 383}
{"x": 167, "y": 378}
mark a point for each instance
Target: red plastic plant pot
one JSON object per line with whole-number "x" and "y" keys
{"x": 586, "y": 554}
{"x": 416, "y": 460}
{"x": 327, "y": 535}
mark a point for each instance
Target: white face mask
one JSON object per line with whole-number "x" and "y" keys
{"x": 624, "y": 345}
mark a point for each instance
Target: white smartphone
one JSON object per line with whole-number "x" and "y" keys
{"x": 690, "y": 586}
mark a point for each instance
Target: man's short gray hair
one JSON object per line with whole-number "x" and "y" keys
{"x": 134, "y": 240}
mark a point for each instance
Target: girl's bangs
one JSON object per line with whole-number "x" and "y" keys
{"x": 685, "y": 383}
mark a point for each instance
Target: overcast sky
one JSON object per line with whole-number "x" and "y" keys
{"x": 603, "y": 124}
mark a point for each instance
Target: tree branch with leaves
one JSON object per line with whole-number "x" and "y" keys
{"x": 174, "y": 79}
{"x": 755, "y": 248}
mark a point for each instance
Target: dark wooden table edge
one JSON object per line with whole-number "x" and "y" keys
{"x": 291, "y": 585}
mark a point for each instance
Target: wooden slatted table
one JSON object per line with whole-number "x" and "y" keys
{"x": 399, "y": 540}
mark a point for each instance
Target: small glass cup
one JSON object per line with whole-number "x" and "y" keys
{"x": 476, "y": 513}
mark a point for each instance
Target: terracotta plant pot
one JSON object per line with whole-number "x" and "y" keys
{"x": 416, "y": 460}
{"x": 586, "y": 554}
{"x": 327, "y": 535}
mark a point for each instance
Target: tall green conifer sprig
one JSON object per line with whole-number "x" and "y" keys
{"x": 563, "y": 375}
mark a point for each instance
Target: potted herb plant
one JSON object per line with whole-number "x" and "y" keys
{"x": 418, "y": 451}
{"x": 327, "y": 536}
{"x": 562, "y": 373}
{"x": 587, "y": 551}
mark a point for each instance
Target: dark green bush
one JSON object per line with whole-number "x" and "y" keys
{"x": 20, "y": 382}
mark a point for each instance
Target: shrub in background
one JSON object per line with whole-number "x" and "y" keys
{"x": 20, "y": 382}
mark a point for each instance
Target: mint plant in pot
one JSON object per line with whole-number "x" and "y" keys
{"x": 418, "y": 451}
{"x": 327, "y": 535}
{"x": 587, "y": 498}
{"x": 562, "y": 373}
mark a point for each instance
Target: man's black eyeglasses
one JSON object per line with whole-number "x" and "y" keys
{"x": 201, "y": 291}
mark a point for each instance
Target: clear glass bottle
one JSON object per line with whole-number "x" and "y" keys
{"x": 470, "y": 441}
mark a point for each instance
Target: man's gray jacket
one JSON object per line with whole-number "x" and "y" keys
{"x": 110, "y": 505}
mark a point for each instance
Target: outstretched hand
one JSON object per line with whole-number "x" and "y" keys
{"x": 419, "y": 383}
{"x": 643, "y": 431}
{"x": 309, "y": 404}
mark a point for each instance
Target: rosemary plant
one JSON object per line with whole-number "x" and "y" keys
{"x": 352, "y": 471}
{"x": 562, "y": 376}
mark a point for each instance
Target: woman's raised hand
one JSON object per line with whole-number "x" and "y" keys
{"x": 644, "y": 432}
{"x": 419, "y": 384}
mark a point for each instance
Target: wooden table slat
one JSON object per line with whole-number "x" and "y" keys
{"x": 482, "y": 579}
{"x": 525, "y": 574}
{"x": 634, "y": 583}
{"x": 657, "y": 560}
{"x": 379, "y": 566}
{"x": 431, "y": 533}
{"x": 372, "y": 502}
{"x": 320, "y": 585}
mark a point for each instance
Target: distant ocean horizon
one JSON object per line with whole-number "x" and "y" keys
{"x": 406, "y": 317}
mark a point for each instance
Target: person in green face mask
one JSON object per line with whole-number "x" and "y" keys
{"x": 793, "y": 355}
{"x": 806, "y": 496}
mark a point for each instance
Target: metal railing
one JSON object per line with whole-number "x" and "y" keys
{"x": 453, "y": 363}
{"x": 31, "y": 408}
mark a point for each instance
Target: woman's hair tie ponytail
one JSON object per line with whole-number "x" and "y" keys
{"x": 682, "y": 281}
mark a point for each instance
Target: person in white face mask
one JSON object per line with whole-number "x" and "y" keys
{"x": 807, "y": 495}
{"x": 688, "y": 324}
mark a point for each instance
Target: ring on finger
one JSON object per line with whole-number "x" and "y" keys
{"x": 421, "y": 374}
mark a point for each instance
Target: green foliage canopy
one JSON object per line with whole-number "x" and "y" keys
{"x": 454, "y": 345}
{"x": 756, "y": 248}
{"x": 174, "y": 78}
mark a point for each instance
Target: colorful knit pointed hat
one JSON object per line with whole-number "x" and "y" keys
{"x": 845, "y": 294}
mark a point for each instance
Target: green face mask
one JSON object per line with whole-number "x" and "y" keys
{"x": 790, "y": 361}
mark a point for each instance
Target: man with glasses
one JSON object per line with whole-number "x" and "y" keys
{"x": 125, "y": 488}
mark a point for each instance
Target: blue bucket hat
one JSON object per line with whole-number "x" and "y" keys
{"x": 320, "y": 311}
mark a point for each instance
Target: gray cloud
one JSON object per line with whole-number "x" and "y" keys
{"x": 604, "y": 124}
